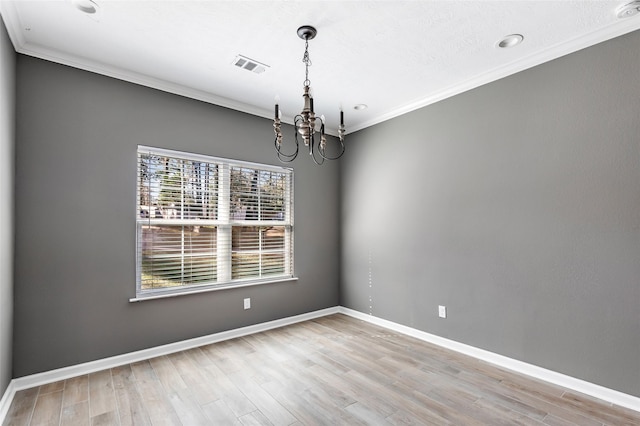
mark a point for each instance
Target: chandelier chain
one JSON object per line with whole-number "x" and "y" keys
{"x": 307, "y": 62}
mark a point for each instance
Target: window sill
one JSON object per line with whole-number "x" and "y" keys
{"x": 208, "y": 289}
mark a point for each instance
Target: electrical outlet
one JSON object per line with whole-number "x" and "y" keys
{"x": 442, "y": 311}
{"x": 247, "y": 303}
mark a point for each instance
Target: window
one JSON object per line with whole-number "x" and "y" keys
{"x": 204, "y": 222}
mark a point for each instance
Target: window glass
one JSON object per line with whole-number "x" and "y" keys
{"x": 206, "y": 221}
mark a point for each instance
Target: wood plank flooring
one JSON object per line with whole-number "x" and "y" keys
{"x": 332, "y": 370}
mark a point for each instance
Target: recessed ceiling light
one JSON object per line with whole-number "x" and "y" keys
{"x": 628, "y": 10}
{"x": 510, "y": 41}
{"x": 360, "y": 107}
{"x": 86, "y": 6}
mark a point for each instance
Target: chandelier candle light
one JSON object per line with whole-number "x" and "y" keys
{"x": 305, "y": 122}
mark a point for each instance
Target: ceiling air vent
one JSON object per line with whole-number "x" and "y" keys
{"x": 249, "y": 64}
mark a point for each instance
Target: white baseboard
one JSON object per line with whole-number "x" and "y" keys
{"x": 6, "y": 400}
{"x": 597, "y": 391}
{"x": 578, "y": 385}
{"x": 115, "y": 361}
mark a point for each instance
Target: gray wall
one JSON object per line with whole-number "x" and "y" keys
{"x": 516, "y": 205}
{"x": 7, "y": 139}
{"x": 77, "y": 134}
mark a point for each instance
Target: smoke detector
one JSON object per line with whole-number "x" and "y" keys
{"x": 628, "y": 10}
{"x": 250, "y": 65}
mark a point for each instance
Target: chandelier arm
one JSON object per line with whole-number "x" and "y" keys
{"x": 339, "y": 155}
{"x": 312, "y": 152}
{"x": 285, "y": 158}
{"x": 284, "y": 154}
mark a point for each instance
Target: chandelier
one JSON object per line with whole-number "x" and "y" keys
{"x": 306, "y": 124}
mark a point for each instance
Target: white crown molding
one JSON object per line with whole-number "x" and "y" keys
{"x": 555, "y": 52}
{"x": 597, "y": 391}
{"x": 8, "y": 9}
{"x": 11, "y": 19}
{"x": 140, "y": 79}
{"x": 147, "y": 81}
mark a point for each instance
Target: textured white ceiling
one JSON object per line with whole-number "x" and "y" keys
{"x": 394, "y": 56}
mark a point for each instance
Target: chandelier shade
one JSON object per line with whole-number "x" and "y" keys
{"x": 307, "y": 126}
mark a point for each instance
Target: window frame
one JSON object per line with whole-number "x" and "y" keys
{"x": 224, "y": 221}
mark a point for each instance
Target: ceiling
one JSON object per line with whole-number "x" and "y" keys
{"x": 394, "y": 56}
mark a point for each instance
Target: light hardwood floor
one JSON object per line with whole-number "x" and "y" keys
{"x": 332, "y": 370}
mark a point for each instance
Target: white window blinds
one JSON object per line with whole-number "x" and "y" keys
{"x": 205, "y": 221}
